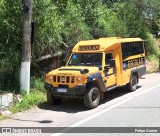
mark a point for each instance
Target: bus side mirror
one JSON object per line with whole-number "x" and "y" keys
{"x": 106, "y": 68}
{"x": 112, "y": 63}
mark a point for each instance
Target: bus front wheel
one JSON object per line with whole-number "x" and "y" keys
{"x": 52, "y": 100}
{"x": 92, "y": 97}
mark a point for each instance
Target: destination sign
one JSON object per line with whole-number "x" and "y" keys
{"x": 133, "y": 63}
{"x": 88, "y": 47}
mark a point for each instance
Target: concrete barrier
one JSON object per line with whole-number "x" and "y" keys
{"x": 5, "y": 99}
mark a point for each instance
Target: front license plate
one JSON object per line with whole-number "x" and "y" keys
{"x": 62, "y": 90}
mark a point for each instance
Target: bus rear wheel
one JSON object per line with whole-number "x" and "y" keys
{"x": 92, "y": 97}
{"x": 132, "y": 85}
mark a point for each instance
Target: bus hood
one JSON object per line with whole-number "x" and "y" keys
{"x": 73, "y": 70}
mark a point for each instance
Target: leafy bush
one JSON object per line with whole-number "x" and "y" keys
{"x": 34, "y": 98}
{"x": 10, "y": 35}
{"x": 63, "y": 23}
{"x": 37, "y": 84}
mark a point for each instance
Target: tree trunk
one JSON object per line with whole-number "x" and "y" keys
{"x": 26, "y": 47}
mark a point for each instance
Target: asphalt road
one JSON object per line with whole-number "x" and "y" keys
{"x": 119, "y": 109}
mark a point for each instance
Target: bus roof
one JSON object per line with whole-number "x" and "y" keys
{"x": 101, "y": 44}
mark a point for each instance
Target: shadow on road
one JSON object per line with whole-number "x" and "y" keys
{"x": 42, "y": 121}
{"x": 76, "y": 105}
{"x": 142, "y": 78}
{"x": 118, "y": 92}
{"x": 67, "y": 105}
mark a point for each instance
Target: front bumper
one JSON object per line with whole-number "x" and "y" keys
{"x": 77, "y": 91}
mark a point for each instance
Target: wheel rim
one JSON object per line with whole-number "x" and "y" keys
{"x": 94, "y": 97}
{"x": 134, "y": 82}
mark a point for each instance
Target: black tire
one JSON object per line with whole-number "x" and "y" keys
{"x": 92, "y": 97}
{"x": 101, "y": 96}
{"x": 132, "y": 85}
{"x": 52, "y": 100}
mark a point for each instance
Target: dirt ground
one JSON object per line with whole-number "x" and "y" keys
{"x": 152, "y": 66}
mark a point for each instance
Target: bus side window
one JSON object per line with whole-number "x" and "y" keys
{"x": 108, "y": 56}
{"x": 136, "y": 48}
{"x": 140, "y": 47}
{"x": 132, "y": 48}
{"x": 126, "y": 51}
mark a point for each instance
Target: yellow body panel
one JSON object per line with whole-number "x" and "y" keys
{"x": 104, "y": 46}
{"x": 104, "y": 43}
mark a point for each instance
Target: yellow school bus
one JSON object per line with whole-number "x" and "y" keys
{"x": 97, "y": 66}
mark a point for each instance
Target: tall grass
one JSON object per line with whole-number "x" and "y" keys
{"x": 36, "y": 96}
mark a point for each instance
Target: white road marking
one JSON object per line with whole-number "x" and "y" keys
{"x": 104, "y": 110}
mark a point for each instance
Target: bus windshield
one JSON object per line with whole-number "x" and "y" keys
{"x": 87, "y": 59}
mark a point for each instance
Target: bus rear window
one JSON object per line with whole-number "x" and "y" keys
{"x": 132, "y": 48}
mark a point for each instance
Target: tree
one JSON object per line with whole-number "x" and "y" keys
{"x": 26, "y": 47}
{"x": 10, "y": 45}
{"x": 61, "y": 23}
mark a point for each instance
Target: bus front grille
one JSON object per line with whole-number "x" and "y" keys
{"x": 63, "y": 79}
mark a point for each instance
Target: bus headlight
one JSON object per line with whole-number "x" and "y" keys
{"x": 80, "y": 79}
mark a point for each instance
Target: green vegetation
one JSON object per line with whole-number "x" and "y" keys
{"x": 3, "y": 117}
{"x": 28, "y": 101}
{"x": 64, "y": 22}
{"x": 37, "y": 84}
{"x": 36, "y": 96}
{"x": 152, "y": 63}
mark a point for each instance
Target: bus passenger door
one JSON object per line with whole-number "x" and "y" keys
{"x": 110, "y": 74}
